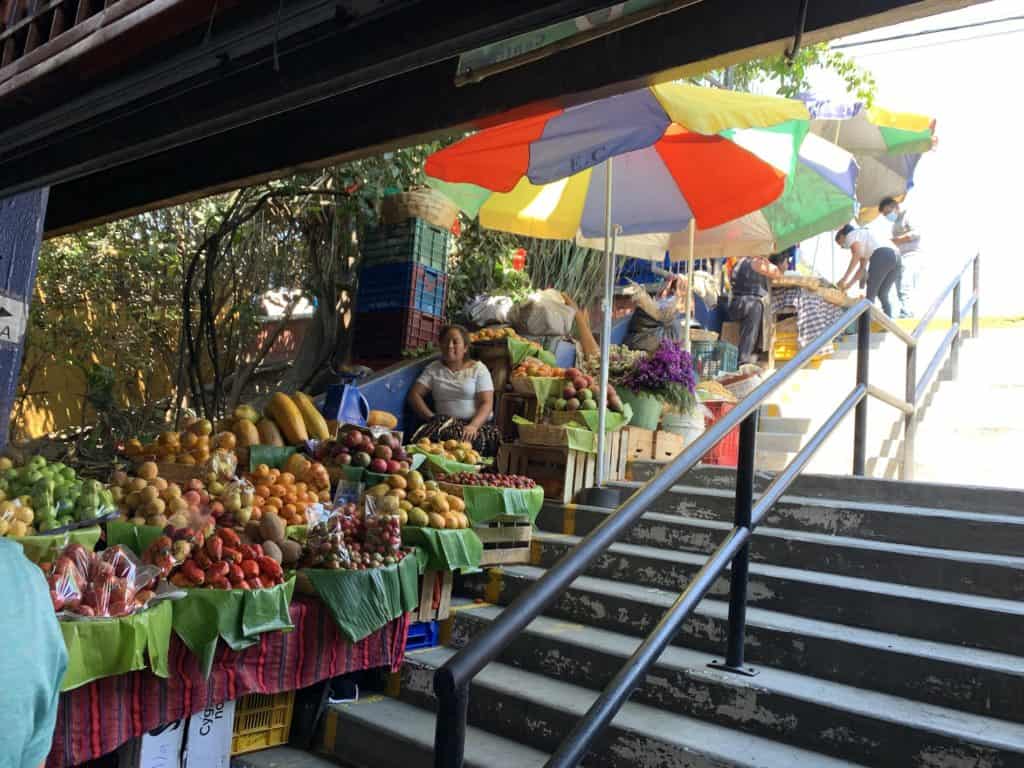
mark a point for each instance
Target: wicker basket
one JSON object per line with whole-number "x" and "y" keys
{"x": 451, "y": 489}
{"x": 522, "y": 385}
{"x": 835, "y": 296}
{"x": 699, "y": 334}
{"x": 561, "y": 418}
{"x": 796, "y": 281}
{"x": 423, "y": 204}
{"x": 543, "y": 434}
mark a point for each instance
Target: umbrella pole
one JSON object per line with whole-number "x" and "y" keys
{"x": 689, "y": 286}
{"x": 606, "y": 322}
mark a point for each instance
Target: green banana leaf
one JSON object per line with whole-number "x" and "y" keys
{"x": 237, "y": 616}
{"x": 44, "y": 546}
{"x": 105, "y": 647}
{"x": 137, "y": 538}
{"x": 486, "y": 503}
{"x": 446, "y": 550}
{"x": 520, "y": 349}
{"x": 362, "y": 602}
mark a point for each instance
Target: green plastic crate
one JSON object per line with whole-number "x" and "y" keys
{"x": 413, "y": 240}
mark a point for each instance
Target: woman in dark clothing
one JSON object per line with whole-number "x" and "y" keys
{"x": 750, "y": 279}
{"x": 870, "y": 253}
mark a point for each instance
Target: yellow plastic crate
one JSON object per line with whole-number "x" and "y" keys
{"x": 262, "y": 721}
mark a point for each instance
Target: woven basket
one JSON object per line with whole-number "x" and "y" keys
{"x": 699, "y": 334}
{"x": 522, "y": 385}
{"x": 835, "y": 296}
{"x": 542, "y": 434}
{"x": 561, "y": 418}
{"x": 450, "y": 488}
{"x": 423, "y": 204}
{"x": 796, "y": 281}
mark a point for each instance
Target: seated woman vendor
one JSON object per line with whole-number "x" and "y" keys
{"x": 462, "y": 394}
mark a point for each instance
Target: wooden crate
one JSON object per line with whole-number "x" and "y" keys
{"x": 435, "y": 596}
{"x": 640, "y": 443}
{"x": 512, "y": 404}
{"x": 564, "y": 472}
{"x": 506, "y": 540}
{"x": 667, "y": 445}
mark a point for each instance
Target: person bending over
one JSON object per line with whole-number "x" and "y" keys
{"x": 462, "y": 394}
{"x": 871, "y": 254}
{"x": 750, "y": 277}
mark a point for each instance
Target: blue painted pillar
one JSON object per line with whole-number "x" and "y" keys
{"x": 21, "y": 231}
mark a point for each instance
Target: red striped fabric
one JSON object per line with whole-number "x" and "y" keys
{"x": 97, "y": 718}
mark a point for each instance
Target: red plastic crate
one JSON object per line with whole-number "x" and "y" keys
{"x": 385, "y": 335}
{"x": 727, "y": 452}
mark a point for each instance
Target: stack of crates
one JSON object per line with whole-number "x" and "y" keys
{"x": 403, "y": 285}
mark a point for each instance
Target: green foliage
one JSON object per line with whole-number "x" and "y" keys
{"x": 792, "y": 78}
{"x": 482, "y": 263}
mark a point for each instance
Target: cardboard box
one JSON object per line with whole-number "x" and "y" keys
{"x": 208, "y": 744}
{"x": 160, "y": 748}
{"x": 730, "y": 333}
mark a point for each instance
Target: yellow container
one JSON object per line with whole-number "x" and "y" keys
{"x": 262, "y": 721}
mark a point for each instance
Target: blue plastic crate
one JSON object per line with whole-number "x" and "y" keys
{"x": 422, "y": 634}
{"x": 387, "y": 287}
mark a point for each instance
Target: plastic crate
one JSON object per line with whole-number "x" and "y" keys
{"x": 705, "y": 359}
{"x": 262, "y": 721}
{"x": 385, "y": 335}
{"x": 401, "y": 286}
{"x": 637, "y": 271}
{"x": 728, "y": 357}
{"x": 727, "y": 452}
{"x": 422, "y": 634}
{"x": 414, "y": 240}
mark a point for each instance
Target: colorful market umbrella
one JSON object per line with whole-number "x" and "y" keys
{"x": 819, "y": 197}
{"x": 662, "y": 158}
{"x": 886, "y": 144}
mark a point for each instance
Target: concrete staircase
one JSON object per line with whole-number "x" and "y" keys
{"x": 884, "y": 619}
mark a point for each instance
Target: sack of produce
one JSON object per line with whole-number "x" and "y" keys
{"x": 543, "y": 313}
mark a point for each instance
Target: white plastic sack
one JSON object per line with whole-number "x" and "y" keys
{"x": 491, "y": 310}
{"x": 543, "y": 313}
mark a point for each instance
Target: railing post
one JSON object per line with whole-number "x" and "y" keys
{"x": 450, "y": 729}
{"x": 977, "y": 296}
{"x": 860, "y": 414}
{"x": 954, "y": 347}
{"x": 741, "y": 563}
{"x": 910, "y": 419}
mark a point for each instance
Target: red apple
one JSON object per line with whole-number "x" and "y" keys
{"x": 380, "y": 466}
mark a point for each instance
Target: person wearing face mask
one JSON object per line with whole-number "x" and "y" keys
{"x": 462, "y": 393}
{"x": 873, "y": 255}
{"x": 907, "y": 240}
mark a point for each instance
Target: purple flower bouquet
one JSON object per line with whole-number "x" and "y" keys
{"x": 667, "y": 375}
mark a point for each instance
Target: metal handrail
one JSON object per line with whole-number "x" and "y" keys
{"x": 452, "y": 680}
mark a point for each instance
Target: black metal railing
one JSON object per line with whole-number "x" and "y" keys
{"x": 452, "y": 681}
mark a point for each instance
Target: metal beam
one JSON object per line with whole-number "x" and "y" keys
{"x": 258, "y": 133}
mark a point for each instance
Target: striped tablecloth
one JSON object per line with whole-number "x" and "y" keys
{"x": 97, "y": 718}
{"x": 813, "y": 313}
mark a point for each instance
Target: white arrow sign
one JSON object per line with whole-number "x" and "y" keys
{"x": 13, "y": 320}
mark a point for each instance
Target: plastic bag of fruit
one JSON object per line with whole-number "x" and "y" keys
{"x": 382, "y": 526}
{"x": 108, "y": 585}
{"x": 327, "y": 542}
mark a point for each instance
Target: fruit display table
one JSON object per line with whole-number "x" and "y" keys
{"x": 97, "y": 718}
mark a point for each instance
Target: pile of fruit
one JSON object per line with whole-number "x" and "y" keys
{"x": 171, "y": 549}
{"x": 489, "y": 480}
{"x": 192, "y": 446}
{"x": 531, "y": 366}
{"x": 148, "y": 499}
{"x": 233, "y": 501}
{"x": 621, "y": 360}
{"x": 41, "y": 496}
{"x": 579, "y": 394}
{"x": 225, "y": 562}
{"x": 286, "y": 420}
{"x": 500, "y": 334}
{"x": 460, "y": 451}
{"x": 358, "y": 448}
{"x": 418, "y": 502}
{"x": 109, "y": 584}
{"x": 281, "y": 493}
{"x": 271, "y": 534}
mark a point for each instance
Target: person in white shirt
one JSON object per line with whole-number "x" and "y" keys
{"x": 874, "y": 256}
{"x": 907, "y": 238}
{"x": 462, "y": 393}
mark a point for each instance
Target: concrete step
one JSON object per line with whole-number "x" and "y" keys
{"x": 875, "y": 521}
{"x": 999, "y": 576}
{"x": 963, "y": 619}
{"x": 784, "y": 425}
{"x": 795, "y": 709}
{"x": 971, "y": 680}
{"x": 381, "y": 732}
{"x": 539, "y": 711}
{"x": 772, "y": 461}
{"x": 779, "y": 442}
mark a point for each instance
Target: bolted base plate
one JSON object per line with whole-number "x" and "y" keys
{"x": 745, "y": 671}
